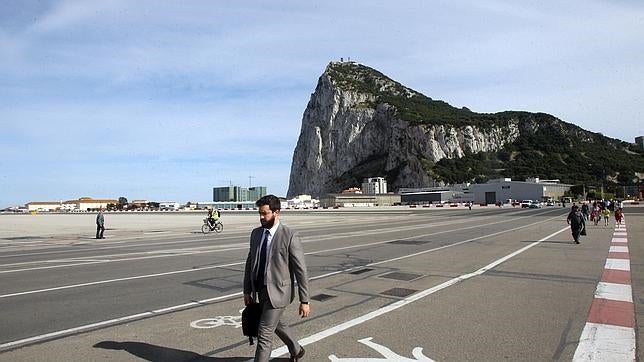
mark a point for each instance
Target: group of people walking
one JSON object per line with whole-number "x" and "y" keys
{"x": 600, "y": 211}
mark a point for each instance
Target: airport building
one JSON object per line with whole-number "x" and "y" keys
{"x": 238, "y": 194}
{"x": 503, "y": 189}
{"x": 227, "y": 205}
{"x": 44, "y": 205}
{"x": 423, "y": 197}
{"x": 374, "y": 185}
{"x": 639, "y": 141}
{"x": 302, "y": 202}
{"x": 457, "y": 193}
{"x": 82, "y": 204}
{"x": 359, "y": 200}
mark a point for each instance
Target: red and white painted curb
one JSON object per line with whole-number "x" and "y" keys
{"x": 609, "y": 333}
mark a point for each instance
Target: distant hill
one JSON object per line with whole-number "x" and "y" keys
{"x": 360, "y": 123}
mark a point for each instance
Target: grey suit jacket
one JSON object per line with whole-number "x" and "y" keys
{"x": 285, "y": 266}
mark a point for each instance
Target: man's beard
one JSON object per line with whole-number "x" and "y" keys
{"x": 267, "y": 224}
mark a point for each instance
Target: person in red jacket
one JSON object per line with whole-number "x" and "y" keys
{"x": 619, "y": 216}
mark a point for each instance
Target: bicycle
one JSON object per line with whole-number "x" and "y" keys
{"x": 217, "y": 227}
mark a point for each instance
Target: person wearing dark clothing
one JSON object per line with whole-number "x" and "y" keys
{"x": 100, "y": 224}
{"x": 576, "y": 221}
{"x": 585, "y": 210}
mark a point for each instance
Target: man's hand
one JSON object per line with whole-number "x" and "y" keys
{"x": 305, "y": 310}
{"x": 247, "y": 299}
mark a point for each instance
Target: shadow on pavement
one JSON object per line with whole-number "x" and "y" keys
{"x": 154, "y": 353}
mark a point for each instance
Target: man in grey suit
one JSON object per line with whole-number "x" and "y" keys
{"x": 275, "y": 261}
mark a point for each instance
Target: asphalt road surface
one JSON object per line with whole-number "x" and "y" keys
{"x": 394, "y": 284}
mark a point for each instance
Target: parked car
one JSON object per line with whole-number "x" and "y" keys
{"x": 535, "y": 205}
{"x": 550, "y": 203}
{"x": 526, "y": 203}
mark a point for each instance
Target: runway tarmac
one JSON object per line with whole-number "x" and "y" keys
{"x": 487, "y": 284}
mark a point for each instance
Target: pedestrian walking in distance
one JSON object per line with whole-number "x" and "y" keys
{"x": 577, "y": 224}
{"x": 606, "y": 215}
{"x": 619, "y": 216}
{"x": 100, "y": 224}
{"x": 275, "y": 261}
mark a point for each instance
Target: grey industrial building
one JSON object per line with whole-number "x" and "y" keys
{"x": 359, "y": 200}
{"x": 426, "y": 197}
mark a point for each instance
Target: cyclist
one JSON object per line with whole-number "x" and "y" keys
{"x": 213, "y": 216}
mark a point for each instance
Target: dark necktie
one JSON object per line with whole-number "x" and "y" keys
{"x": 261, "y": 268}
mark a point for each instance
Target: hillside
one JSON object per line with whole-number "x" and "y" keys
{"x": 360, "y": 123}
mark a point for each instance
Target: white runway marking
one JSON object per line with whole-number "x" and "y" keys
{"x": 387, "y": 353}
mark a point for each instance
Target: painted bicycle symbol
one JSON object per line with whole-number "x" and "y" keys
{"x": 224, "y": 320}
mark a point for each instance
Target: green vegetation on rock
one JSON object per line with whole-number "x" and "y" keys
{"x": 410, "y": 105}
{"x": 547, "y": 147}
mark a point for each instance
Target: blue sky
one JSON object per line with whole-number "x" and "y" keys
{"x": 163, "y": 100}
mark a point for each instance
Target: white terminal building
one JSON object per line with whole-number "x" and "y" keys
{"x": 503, "y": 189}
{"x": 82, "y": 204}
{"x": 374, "y": 186}
{"x": 301, "y": 202}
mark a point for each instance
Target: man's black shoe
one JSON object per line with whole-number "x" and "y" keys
{"x": 298, "y": 356}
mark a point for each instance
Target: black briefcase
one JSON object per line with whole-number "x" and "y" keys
{"x": 250, "y": 320}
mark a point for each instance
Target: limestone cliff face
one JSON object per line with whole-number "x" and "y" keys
{"x": 349, "y": 133}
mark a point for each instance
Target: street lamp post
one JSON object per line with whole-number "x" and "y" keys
{"x": 583, "y": 191}
{"x": 603, "y": 178}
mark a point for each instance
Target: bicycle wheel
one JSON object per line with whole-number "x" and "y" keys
{"x": 205, "y": 228}
{"x": 219, "y": 227}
